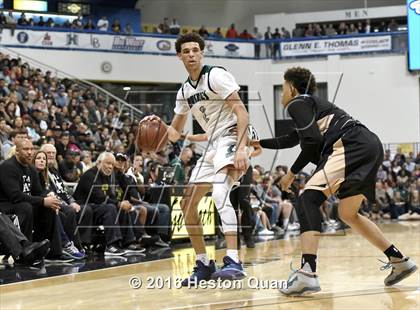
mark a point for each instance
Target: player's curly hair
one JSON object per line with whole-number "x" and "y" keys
{"x": 189, "y": 37}
{"x": 302, "y": 79}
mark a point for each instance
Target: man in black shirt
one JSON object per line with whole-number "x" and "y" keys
{"x": 21, "y": 194}
{"x": 95, "y": 191}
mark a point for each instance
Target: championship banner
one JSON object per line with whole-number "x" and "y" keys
{"x": 117, "y": 43}
{"x": 206, "y": 209}
{"x": 336, "y": 46}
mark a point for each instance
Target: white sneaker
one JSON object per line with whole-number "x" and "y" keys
{"x": 266, "y": 232}
{"x": 293, "y": 226}
{"x": 301, "y": 283}
{"x": 400, "y": 270}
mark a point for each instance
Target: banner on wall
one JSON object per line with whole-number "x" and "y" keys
{"x": 206, "y": 209}
{"x": 117, "y": 43}
{"x": 336, "y": 46}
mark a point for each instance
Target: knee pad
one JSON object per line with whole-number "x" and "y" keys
{"x": 308, "y": 212}
{"x": 221, "y": 191}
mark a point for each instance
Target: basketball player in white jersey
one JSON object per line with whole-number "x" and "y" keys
{"x": 211, "y": 95}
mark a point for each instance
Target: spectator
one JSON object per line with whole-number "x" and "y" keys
{"x": 128, "y": 29}
{"x": 174, "y": 28}
{"x": 285, "y": 33}
{"x": 352, "y": 29}
{"x": 179, "y": 163}
{"x": 330, "y": 30}
{"x": 258, "y": 36}
{"x": 218, "y": 33}
{"x": 309, "y": 31}
{"x": 342, "y": 29}
{"x": 276, "y": 44}
{"x": 382, "y": 27}
{"x": 165, "y": 26}
{"x": 89, "y": 24}
{"x": 11, "y": 22}
{"x": 116, "y": 26}
{"x": 245, "y": 35}
{"x": 14, "y": 243}
{"x": 102, "y": 24}
{"x": 96, "y": 191}
{"x": 268, "y": 46}
{"x": 367, "y": 27}
{"x": 231, "y": 33}
{"x": 68, "y": 169}
{"x": 203, "y": 32}
{"x": 298, "y": 32}
{"x": 22, "y": 21}
{"x": 41, "y": 22}
{"x": 393, "y": 26}
{"x": 9, "y": 146}
{"x": 360, "y": 27}
{"x": 21, "y": 194}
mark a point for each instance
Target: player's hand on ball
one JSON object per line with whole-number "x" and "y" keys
{"x": 286, "y": 181}
{"x": 241, "y": 160}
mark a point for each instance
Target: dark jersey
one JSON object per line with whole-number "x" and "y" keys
{"x": 318, "y": 124}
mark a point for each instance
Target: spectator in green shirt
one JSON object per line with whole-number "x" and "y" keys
{"x": 180, "y": 163}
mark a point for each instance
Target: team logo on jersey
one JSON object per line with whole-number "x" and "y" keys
{"x": 415, "y": 5}
{"x": 231, "y": 150}
{"x": 22, "y": 37}
{"x": 196, "y": 98}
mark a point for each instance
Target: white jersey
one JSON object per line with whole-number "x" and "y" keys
{"x": 206, "y": 100}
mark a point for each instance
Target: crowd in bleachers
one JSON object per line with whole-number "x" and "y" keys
{"x": 87, "y": 23}
{"x": 78, "y": 136}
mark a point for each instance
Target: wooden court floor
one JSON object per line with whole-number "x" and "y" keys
{"x": 348, "y": 269}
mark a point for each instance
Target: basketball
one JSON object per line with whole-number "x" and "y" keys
{"x": 152, "y": 135}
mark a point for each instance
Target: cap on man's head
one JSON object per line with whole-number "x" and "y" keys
{"x": 121, "y": 156}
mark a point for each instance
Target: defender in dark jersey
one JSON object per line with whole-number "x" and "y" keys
{"x": 347, "y": 156}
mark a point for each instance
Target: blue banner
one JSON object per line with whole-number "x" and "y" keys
{"x": 413, "y": 12}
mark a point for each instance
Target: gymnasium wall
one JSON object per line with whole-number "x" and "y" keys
{"x": 378, "y": 90}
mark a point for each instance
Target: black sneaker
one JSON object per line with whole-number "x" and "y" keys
{"x": 162, "y": 243}
{"x": 250, "y": 242}
{"x": 113, "y": 250}
{"x": 201, "y": 272}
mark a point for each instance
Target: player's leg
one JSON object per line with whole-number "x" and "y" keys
{"x": 189, "y": 203}
{"x": 224, "y": 180}
{"x": 305, "y": 280}
{"x": 402, "y": 266}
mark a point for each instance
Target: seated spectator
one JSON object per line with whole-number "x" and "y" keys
{"x": 136, "y": 173}
{"x": 360, "y": 28}
{"x": 66, "y": 216}
{"x": 174, "y": 27}
{"x": 41, "y": 22}
{"x": 9, "y": 146}
{"x": 393, "y": 26}
{"x": 68, "y": 203}
{"x": 95, "y": 190}
{"x": 180, "y": 163}
{"x": 14, "y": 243}
{"x": 102, "y": 24}
{"x": 231, "y": 33}
{"x": 367, "y": 27}
{"x": 309, "y": 31}
{"x": 68, "y": 168}
{"x": 352, "y": 29}
{"x": 87, "y": 162}
{"x": 116, "y": 26}
{"x": 298, "y": 32}
{"x": 21, "y": 194}
{"x": 63, "y": 145}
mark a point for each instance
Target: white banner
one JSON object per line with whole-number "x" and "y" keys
{"x": 336, "y": 46}
{"x": 117, "y": 43}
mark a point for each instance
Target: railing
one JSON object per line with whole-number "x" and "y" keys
{"x": 123, "y": 106}
{"x": 146, "y": 43}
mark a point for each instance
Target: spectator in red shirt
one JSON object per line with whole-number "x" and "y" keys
{"x": 231, "y": 33}
{"x": 246, "y": 35}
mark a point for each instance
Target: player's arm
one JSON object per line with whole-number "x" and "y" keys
{"x": 197, "y": 138}
{"x": 176, "y": 127}
{"x": 237, "y": 106}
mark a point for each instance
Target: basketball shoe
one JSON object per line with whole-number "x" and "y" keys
{"x": 201, "y": 272}
{"x": 301, "y": 282}
{"x": 401, "y": 269}
{"x": 230, "y": 270}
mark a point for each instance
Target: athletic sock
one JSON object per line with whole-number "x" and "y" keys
{"x": 233, "y": 254}
{"x": 285, "y": 223}
{"x": 392, "y": 251}
{"x": 203, "y": 258}
{"x": 310, "y": 259}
